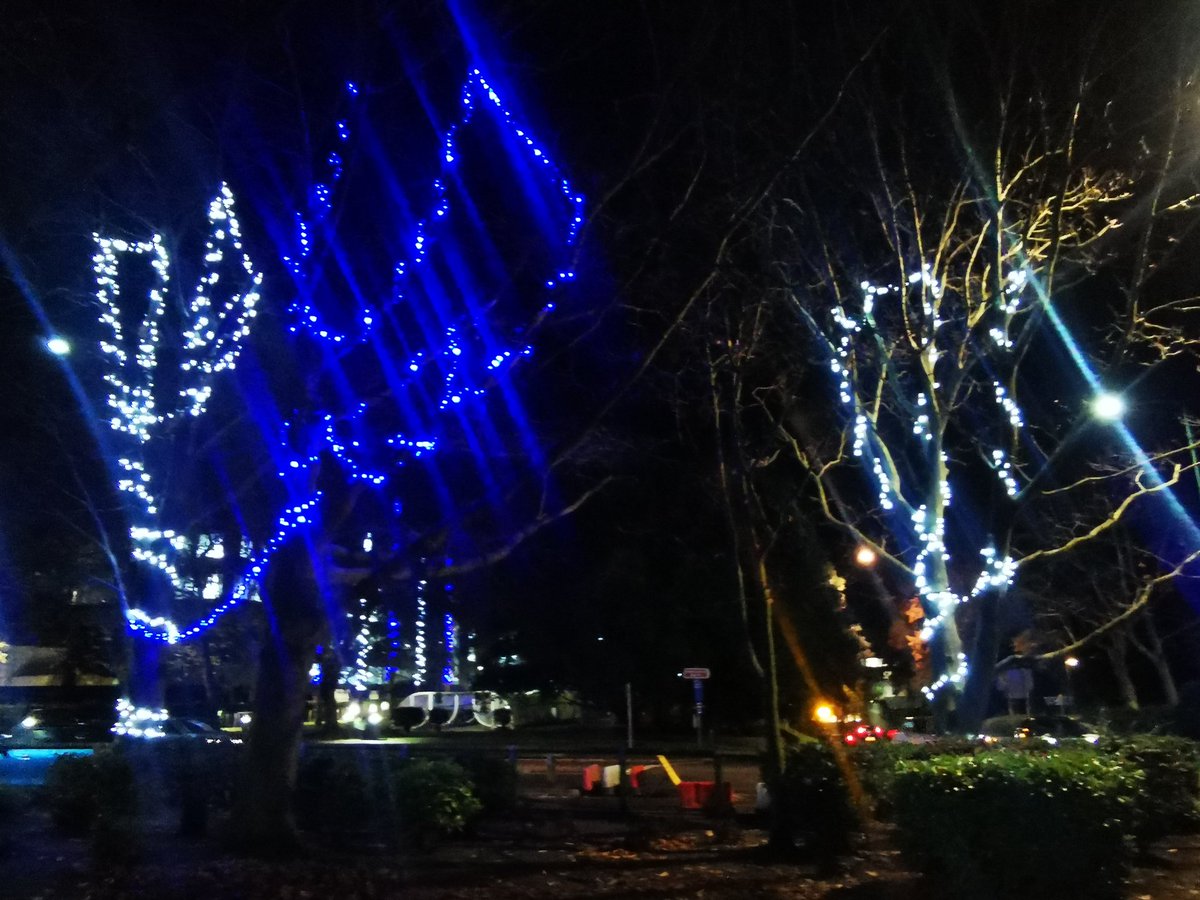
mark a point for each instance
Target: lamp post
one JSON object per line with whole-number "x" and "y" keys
{"x": 1071, "y": 663}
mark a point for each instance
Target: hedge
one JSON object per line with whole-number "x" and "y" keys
{"x": 1003, "y": 824}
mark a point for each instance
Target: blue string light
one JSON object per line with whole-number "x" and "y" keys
{"x": 214, "y": 332}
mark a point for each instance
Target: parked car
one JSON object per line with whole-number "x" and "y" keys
{"x": 855, "y": 733}
{"x": 1047, "y": 727}
{"x": 177, "y": 728}
{"x": 57, "y": 726}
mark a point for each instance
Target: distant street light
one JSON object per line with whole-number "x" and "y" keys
{"x": 1071, "y": 662}
{"x": 824, "y": 714}
{"x": 58, "y": 346}
{"x": 865, "y": 557}
{"x": 1108, "y": 407}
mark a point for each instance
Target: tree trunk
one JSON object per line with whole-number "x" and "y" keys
{"x": 1154, "y": 650}
{"x": 327, "y": 712}
{"x": 1118, "y": 660}
{"x": 146, "y": 687}
{"x": 978, "y": 691}
{"x": 264, "y": 819}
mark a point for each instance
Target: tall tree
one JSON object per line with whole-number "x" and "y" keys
{"x": 945, "y": 279}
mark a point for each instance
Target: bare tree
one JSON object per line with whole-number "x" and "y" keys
{"x": 947, "y": 277}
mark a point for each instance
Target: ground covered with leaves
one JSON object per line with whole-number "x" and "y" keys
{"x": 579, "y": 849}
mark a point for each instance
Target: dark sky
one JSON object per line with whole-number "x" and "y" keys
{"x": 122, "y": 118}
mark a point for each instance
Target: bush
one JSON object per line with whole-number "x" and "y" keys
{"x": 334, "y": 795}
{"x": 407, "y": 717}
{"x": 12, "y": 801}
{"x": 1186, "y": 720}
{"x": 494, "y": 781}
{"x": 1169, "y": 801}
{"x": 814, "y": 802}
{"x": 433, "y": 798}
{"x": 1004, "y": 824}
{"x": 78, "y": 789}
{"x": 875, "y": 765}
{"x": 415, "y": 801}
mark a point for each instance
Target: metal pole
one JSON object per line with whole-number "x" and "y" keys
{"x": 629, "y": 715}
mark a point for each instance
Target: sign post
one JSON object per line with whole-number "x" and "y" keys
{"x": 697, "y": 676}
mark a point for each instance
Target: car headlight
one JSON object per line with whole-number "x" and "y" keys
{"x": 29, "y": 722}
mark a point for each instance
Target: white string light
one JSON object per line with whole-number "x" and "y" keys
{"x": 853, "y": 338}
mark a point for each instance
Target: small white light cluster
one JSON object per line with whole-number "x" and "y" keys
{"x": 359, "y": 675}
{"x": 1004, "y": 470}
{"x": 450, "y": 642}
{"x": 420, "y": 661}
{"x": 138, "y": 721}
{"x": 932, "y": 552}
{"x": 1009, "y": 406}
{"x": 997, "y": 572}
{"x": 1016, "y": 281}
{"x": 954, "y": 677}
{"x": 1000, "y": 337}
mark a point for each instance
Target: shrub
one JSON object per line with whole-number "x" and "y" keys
{"x": 333, "y": 795}
{"x": 1186, "y": 719}
{"x": 812, "y": 797}
{"x": 1004, "y": 824}
{"x": 78, "y": 789}
{"x": 494, "y": 781}
{"x": 416, "y": 801}
{"x": 407, "y": 717}
{"x": 433, "y": 798}
{"x": 1169, "y": 801}
{"x": 875, "y": 765}
{"x": 13, "y": 799}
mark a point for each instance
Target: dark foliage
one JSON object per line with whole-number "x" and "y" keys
{"x": 813, "y": 797}
{"x": 79, "y": 790}
{"x": 1005, "y": 824}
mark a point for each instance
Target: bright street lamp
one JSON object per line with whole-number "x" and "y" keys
{"x": 1108, "y": 407}
{"x": 824, "y": 714}
{"x": 58, "y": 346}
{"x": 865, "y": 557}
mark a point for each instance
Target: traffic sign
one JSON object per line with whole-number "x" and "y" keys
{"x": 696, "y": 674}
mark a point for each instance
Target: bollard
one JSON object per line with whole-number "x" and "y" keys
{"x": 623, "y": 782}
{"x": 551, "y": 768}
